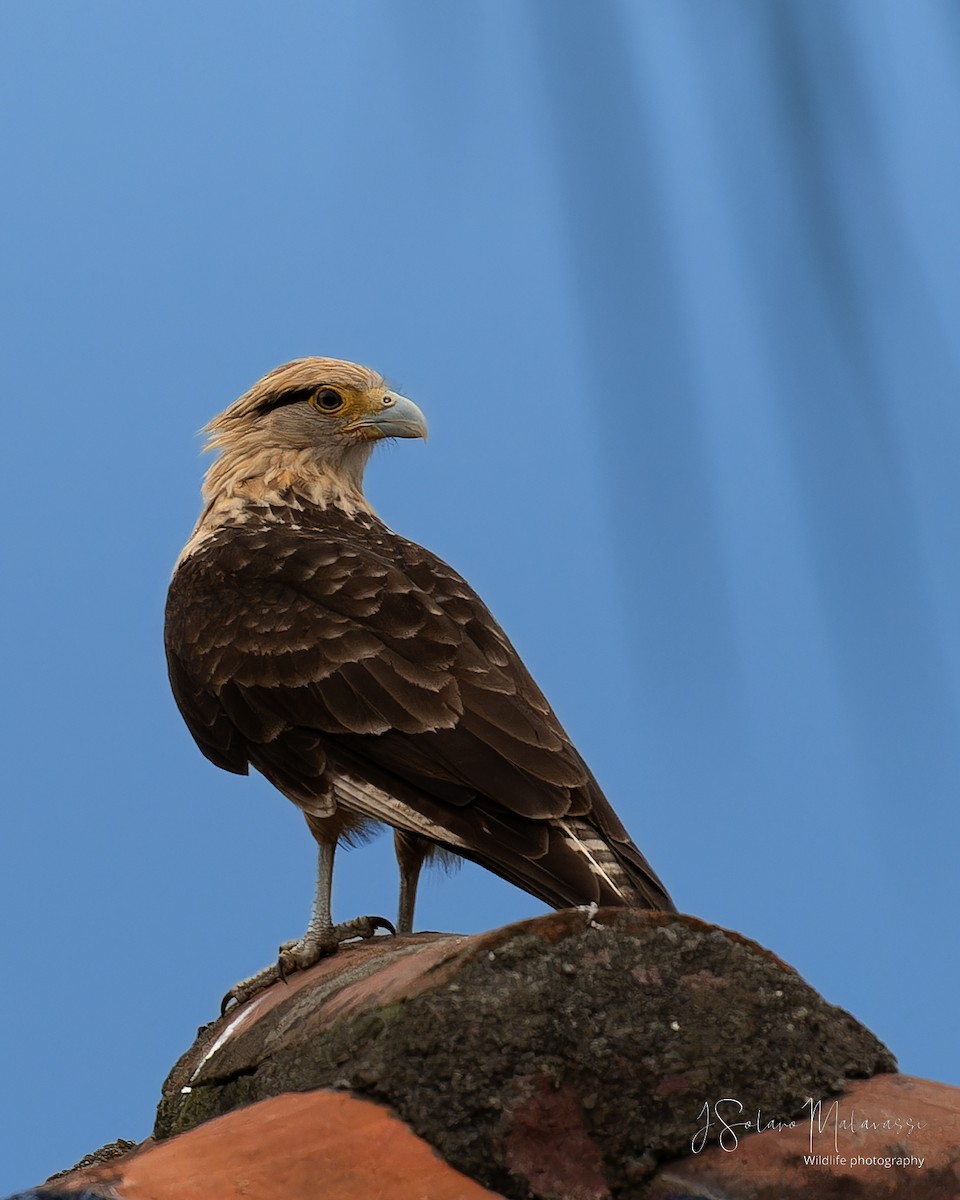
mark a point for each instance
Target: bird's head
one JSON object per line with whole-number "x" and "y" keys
{"x": 313, "y": 415}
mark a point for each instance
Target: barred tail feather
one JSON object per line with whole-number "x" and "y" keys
{"x": 621, "y": 874}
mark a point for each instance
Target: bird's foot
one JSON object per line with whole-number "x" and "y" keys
{"x": 246, "y": 989}
{"x": 318, "y": 943}
{"x": 297, "y": 956}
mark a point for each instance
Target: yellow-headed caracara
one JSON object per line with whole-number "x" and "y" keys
{"x": 362, "y": 676}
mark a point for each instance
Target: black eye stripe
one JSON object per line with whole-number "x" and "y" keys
{"x": 285, "y": 398}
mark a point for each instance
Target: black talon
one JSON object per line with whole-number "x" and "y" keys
{"x": 362, "y": 927}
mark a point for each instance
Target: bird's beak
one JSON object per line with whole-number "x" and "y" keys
{"x": 395, "y": 416}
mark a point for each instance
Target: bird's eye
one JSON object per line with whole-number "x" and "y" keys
{"x": 327, "y": 400}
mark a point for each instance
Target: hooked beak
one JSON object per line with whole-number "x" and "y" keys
{"x": 396, "y": 416}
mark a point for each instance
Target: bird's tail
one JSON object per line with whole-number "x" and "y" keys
{"x": 620, "y": 875}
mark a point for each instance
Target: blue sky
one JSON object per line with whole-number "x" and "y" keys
{"x": 677, "y": 287}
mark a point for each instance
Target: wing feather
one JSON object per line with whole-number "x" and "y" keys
{"x": 291, "y": 645}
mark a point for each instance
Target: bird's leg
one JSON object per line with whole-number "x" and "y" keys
{"x": 411, "y": 851}
{"x": 321, "y": 919}
{"x": 321, "y": 938}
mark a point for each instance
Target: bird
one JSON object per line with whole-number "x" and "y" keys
{"x": 363, "y": 676}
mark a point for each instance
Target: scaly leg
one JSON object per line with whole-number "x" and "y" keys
{"x": 411, "y": 851}
{"x": 322, "y": 936}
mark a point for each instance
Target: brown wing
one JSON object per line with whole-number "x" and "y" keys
{"x": 350, "y": 666}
